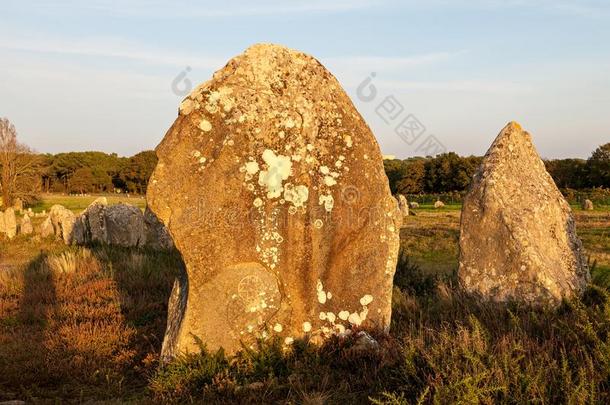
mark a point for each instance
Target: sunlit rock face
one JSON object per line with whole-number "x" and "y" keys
{"x": 272, "y": 187}
{"x": 518, "y": 239}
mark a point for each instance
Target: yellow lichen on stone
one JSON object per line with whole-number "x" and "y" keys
{"x": 205, "y": 125}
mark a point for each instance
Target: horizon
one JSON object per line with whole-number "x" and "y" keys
{"x": 108, "y": 79}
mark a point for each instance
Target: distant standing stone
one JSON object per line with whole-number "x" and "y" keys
{"x": 518, "y": 239}
{"x": 10, "y": 223}
{"x": 439, "y": 204}
{"x": 587, "y": 205}
{"x": 62, "y": 220}
{"x": 46, "y": 228}
{"x": 124, "y": 225}
{"x": 403, "y": 206}
{"x": 90, "y": 225}
{"x": 157, "y": 235}
{"x": 273, "y": 189}
{"x": 26, "y": 227}
{"x": 413, "y": 205}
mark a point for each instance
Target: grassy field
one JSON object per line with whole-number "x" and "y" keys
{"x": 79, "y": 203}
{"x": 86, "y": 325}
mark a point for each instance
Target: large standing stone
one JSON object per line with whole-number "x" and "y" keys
{"x": 587, "y": 205}
{"x": 518, "y": 239}
{"x": 273, "y": 189}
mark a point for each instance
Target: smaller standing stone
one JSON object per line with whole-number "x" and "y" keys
{"x": 157, "y": 235}
{"x": 439, "y": 204}
{"x": 26, "y": 227}
{"x": 518, "y": 238}
{"x": 90, "y": 226}
{"x": 125, "y": 225}
{"x": 46, "y": 228}
{"x": 403, "y": 206}
{"x": 587, "y": 205}
{"x": 413, "y": 205}
{"x": 63, "y": 221}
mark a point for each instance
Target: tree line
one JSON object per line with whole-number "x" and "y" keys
{"x": 450, "y": 172}
{"x": 25, "y": 174}
{"x": 96, "y": 172}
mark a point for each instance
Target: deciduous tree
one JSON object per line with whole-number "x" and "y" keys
{"x": 19, "y": 166}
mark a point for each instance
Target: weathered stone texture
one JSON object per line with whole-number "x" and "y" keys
{"x": 273, "y": 189}
{"x": 518, "y": 239}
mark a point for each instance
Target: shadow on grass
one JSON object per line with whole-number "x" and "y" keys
{"x": 84, "y": 324}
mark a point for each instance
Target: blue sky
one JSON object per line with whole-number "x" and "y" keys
{"x": 97, "y": 75}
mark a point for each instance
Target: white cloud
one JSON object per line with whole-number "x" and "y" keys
{"x": 468, "y": 86}
{"x": 373, "y": 63}
{"x": 109, "y": 48}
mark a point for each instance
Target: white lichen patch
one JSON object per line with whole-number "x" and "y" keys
{"x": 258, "y": 202}
{"x": 318, "y": 223}
{"x": 251, "y": 168}
{"x": 354, "y": 319}
{"x": 278, "y": 170}
{"x": 321, "y": 293}
{"x": 348, "y": 141}
{"x": 288, "y": 341}
{"x": 327, "y": 201}
{"x": 188, "y": 106}
{"x": 278, "y": 328}
{"x": 306, "y": 327}
{"x": 220, "y": 100}
{"x": 329, "y": 181}
{"x": 297, "y": 195}
{"x": 344, "y": 315}
{"x": 324, "y": 170}
{"x": 366, "y": 300}
{"x": 205, "y": 125}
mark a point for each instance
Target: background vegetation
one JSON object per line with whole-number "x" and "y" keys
{"x": 450, "y": 173}
{"x": 446, "y": 176}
